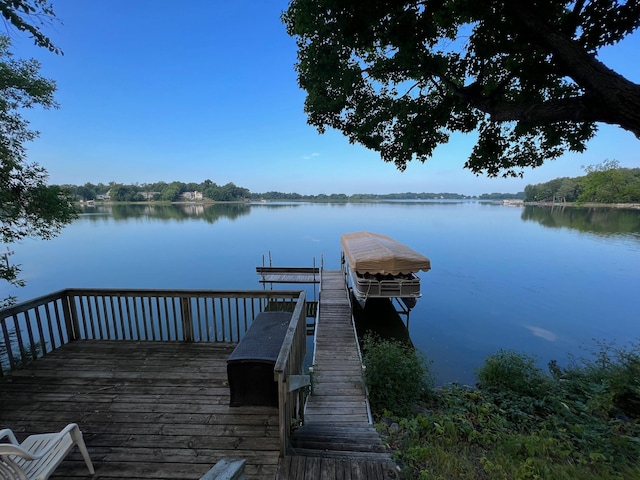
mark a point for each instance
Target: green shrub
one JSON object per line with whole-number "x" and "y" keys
{"x": 580, "y": 422}
{"x": 608, "y": 382}
{"x": 396, "y": 374}
{"x": 515, "y": 372}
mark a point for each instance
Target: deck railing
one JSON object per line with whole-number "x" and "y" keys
{"x": 288, "y": 372}
{"x": 34, "y": 328}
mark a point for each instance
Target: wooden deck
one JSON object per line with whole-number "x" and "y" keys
{"x": 337, "y": 439}
{"x": 156, "y": 409}
{"x": 148, "y": 410}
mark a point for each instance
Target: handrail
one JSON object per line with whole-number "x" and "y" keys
{"x": 288, "y": 373}
{"x": 34, "y": 328}
{"x": 31, "y": 329}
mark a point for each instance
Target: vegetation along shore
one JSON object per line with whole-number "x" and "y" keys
{"x": 518, "y": 422}
{"x": 603, "y": 184}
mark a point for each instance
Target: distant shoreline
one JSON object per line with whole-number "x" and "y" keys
{"x": 632, "y": 206}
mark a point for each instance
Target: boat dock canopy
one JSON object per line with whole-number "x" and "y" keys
{"x": 375, "y": 254}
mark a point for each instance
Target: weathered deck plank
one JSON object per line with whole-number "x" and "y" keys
{"x": 337, "y": 366}
{"x": 147, "y": 410}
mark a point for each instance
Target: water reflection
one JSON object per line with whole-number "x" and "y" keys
{"x": 175, "y": 212}
{"x": 600, "y": 221}
{"x": 542, "y": 333}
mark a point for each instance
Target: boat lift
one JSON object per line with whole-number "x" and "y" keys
{"x": 294, "y": 275}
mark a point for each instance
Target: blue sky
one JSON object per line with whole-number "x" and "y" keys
{"x": 156, "y": 91}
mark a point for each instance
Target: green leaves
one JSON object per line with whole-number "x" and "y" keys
{"x": 515, "y": 372}
{"x": 397, "y": 376}
{"x": 607, "y": 183}
{"x": 400, "y": 77}
{"x": 30, "y": 16}
{"x": 30, "y": 207}
{"x": 519, "y": 422}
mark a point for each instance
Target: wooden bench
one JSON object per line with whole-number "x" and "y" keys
{"x": 250, "y": 366}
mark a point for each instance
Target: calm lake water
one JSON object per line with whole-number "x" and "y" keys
{"x": 542, "y": 281}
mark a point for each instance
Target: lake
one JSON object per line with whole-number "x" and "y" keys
{"x": 539, "y": 280}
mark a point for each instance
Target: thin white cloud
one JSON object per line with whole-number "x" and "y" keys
{"x": 309, "y": 157}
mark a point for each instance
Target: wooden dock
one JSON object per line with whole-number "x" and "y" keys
{"x": 288, "y": 274}
{"x": 144, "y": 374}
{"x": 148, "y": 410}
{"x": 337, "y": 439}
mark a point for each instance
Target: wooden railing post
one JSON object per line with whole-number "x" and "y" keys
{"x": 283, "y": 420}
{"x": 187, "y": 319}
{"x": 70, "y": 314}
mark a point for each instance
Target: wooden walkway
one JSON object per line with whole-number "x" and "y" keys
{"x": 151, "y": 410}
{"x": 337, "y": 439}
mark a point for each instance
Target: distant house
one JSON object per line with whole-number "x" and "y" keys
{"x": 106, "y": 196}
{"x": 513, "y": 202}
{"x": 149, "y": 195}
{"x": 192, "y": 196}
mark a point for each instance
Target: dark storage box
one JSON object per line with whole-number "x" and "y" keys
{"x": 250, "y": 366}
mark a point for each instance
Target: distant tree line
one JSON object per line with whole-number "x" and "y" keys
{"x": 356, "y": 197}
{"x": 502, "y": 196}
{"x": 159, "y": 191}
{"x": 603, "y": 183}
{"x": 174, "y": 191}
{"x": 409, "y": 196}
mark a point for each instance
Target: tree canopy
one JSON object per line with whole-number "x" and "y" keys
{"x": 169, "y": 192}
{"x": 605, "y": 182}
{"x": 400, "y": 77}
{"x": 28, "y": 206}
{"x": 30, "y": 16}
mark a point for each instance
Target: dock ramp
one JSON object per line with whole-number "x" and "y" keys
{"x": 337, "y": 437}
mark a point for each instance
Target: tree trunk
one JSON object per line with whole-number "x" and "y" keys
{"x": 613, "y": 98}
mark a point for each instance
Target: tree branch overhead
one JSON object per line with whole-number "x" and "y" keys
{"x": 525, "y": 75}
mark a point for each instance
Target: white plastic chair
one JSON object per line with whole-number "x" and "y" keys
{"x": 39, "y": 455}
